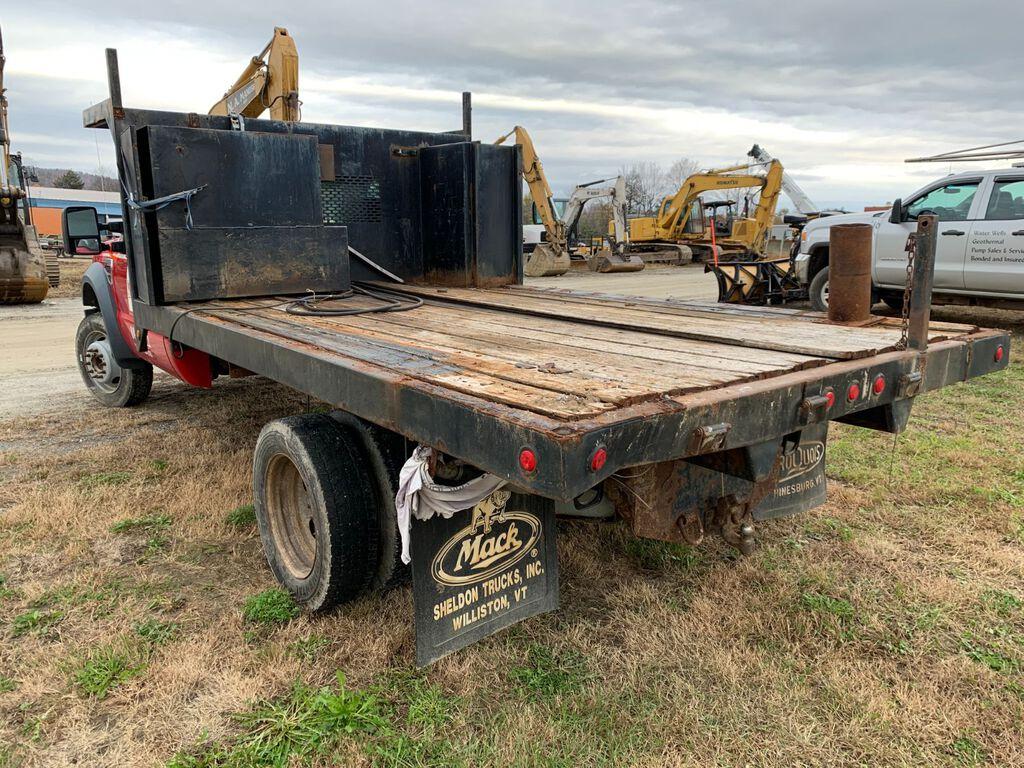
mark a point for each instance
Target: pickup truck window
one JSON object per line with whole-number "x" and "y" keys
{"x": 950, "y": 203}
{"x": 1007, "y": 200}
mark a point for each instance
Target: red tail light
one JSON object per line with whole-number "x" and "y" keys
{"x": 598, "y": 459}
{"x": 853, "y": 393}
{"x": 527, "y": 460}
{"x": 879, "y": 386}
{"x": 1000, "y": 352}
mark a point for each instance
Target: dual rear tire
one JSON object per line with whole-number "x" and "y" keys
{"x": 324, "y": 488}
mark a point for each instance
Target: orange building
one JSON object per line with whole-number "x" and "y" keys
{"x": 47, "y": 204}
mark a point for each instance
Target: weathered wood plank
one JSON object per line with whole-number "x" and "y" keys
{"x": 614, "y": 341}
{"x": 553, "y": 366}
{"x": 781, "y": 335}
{"x": 417, "y": 363}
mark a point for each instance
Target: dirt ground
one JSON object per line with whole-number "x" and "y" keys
{"x": 140, "y": 627}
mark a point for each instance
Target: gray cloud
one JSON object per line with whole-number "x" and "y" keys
{"x": 871, "y": 82}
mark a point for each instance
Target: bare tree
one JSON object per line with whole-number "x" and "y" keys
{"x": 678, "y": 172}
{"x": 645, "y": 183}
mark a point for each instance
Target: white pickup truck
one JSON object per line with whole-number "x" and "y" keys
{"x": 979, "y": 257}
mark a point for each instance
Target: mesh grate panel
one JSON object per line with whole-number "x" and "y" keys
{"x": 351, "y": 199}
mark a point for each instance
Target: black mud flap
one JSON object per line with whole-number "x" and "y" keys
{"x": 482, "y": 570}
{"x": 801, "y": 484}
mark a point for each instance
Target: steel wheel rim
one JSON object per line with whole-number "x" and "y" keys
{"x": 95, "y": 367}
{"x": 290, "y": 516}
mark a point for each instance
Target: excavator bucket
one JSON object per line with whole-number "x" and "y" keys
{"x": 607, "y": 260}
{"x": 23, "y": 269}
{"x": 546, "y": 262}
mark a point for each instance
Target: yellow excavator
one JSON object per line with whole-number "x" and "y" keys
{"x": 679, "y": 231}
{"x": 26, "y": 273}
{"x": 551, "y": 256}
{"x": 270, "y": 81}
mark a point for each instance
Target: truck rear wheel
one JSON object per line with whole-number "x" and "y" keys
{"x": 384, "y": 453}
{"x": 818, "y": 291}
{"x": 317, "y": 510}
{"x": 111, "y": 384}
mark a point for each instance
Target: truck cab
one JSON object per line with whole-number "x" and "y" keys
{"x": 980, "y": 253}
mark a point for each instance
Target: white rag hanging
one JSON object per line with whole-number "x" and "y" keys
{"x": 420, "y": 497}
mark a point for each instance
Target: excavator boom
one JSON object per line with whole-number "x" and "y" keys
{"x": 551, "y": 257}
{"x": 269, "y": 81}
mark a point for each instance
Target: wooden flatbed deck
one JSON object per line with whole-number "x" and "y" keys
{"x": 571, "y": 355}
{"x": 482, "y": 373}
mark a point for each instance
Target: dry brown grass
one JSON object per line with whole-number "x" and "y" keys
{"x": 885, "y": 628}
{"x": 71, "y": 271}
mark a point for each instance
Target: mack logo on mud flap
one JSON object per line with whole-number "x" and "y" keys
{"x": 481, "y": 570}
{"x": 494, "y": 540}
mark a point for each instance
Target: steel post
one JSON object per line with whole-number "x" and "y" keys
{"x": 849, "y": 276}
{"x": 922, "y": 279}
{"x": 467, "y": 114}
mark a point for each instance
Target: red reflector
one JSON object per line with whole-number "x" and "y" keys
{"x": 999, "y": 353}
{"x": 598, "y": 459}
{"x": 853, "y": 392}
{"x": 879, "y": 385}
{"x": 527, "y": 460}
{"x": 830, "y": 398}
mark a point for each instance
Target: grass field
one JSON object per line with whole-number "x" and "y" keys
{"x": 140, "y": 625}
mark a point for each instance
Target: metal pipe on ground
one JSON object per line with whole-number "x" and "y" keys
{"x": 849, "y": 274}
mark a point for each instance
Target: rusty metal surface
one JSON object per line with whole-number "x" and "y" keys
{"x": 849, "y": 276}
{"x": 921, "y": 277}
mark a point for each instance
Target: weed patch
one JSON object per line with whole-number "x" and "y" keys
{"x": 294, "y": 730}
{"x": 148, "y": 523}
{"x": 100, "y": 479}
{"x": 273, "y": 606}
{"x": 547, "y": 673}
{"x": 35, "y": 621}
{"x": 107, "y": 667}
{"x": 243, "y": 516}
{"x": 156, "y": 632}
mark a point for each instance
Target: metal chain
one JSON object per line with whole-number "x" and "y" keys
{"x": 911, "y": 249}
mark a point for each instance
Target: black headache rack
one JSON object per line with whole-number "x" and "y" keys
{"x": 221, "y": 208}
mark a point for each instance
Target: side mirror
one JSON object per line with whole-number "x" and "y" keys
{"x": 896, "y": 214}
{"x": 81, "y": 231}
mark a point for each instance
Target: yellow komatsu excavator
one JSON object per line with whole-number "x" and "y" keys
{"x": 551, "y": 256}
{"x": 680, "y": 229}
{"x": 25, "y": 272}
{"x": 270, "y": 81}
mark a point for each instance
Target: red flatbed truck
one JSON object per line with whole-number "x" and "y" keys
{"x": 686, "y": 419}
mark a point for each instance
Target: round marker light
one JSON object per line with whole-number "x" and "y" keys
{"x": 879, "y": 386}
{"x": 598, "y": 459}
{"x": 830, "y": 398}
{"x": 853, "y": 392}
{"x": 527, "y": 460}
{"x": 1000, "y": 352}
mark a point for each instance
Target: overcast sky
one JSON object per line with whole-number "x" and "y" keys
{"x": 841, "y": 92}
